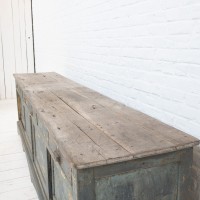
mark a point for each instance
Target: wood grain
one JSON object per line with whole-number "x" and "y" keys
{"x": 93, "y": 130}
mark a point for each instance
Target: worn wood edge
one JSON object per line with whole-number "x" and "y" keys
{"x": 21, "y": 78}
{"x": 142, "y": 154}
{"x": 56, "y": 80}
{"x": 16, "y": 75}
{"x": 143, "y": 163}
{"x": 139, "y": 156}
{"x": 118, "y": 159}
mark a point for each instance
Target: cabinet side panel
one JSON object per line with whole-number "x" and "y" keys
{"x": 185, "y": 170}
{"x": 157, "y": 183}
{"x": 86, "y": 189}
{"x": 195, "y": 179}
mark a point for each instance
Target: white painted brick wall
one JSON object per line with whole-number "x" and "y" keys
{"x": 144, "y": 53}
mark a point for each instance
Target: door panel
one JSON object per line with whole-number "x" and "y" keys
{"x": 28, "y": 126}
{"x": 40, "y": 158}
{"x": 62, "y": 188}
{"x": 59, "y": 185}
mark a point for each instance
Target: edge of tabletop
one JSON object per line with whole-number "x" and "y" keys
{"x": 17, "y": 75}
{"x": 144, "y": 154}
{"x": 138, "y": 156}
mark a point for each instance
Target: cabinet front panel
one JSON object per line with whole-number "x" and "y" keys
{"x": 62, "y": 187}
{"x": 40, "y": 158}
{"x": 28, "y": 126}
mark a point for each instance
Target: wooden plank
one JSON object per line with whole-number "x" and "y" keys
{"x": 79, "y": 146}
{"x": 95, "y": 126}
{"x": 129, "y": 114}
{"x": 131, "y": 134}
{"x": 41, "y": 81}
{"x": 62, "y": 112}
{"x": 132, "y": 138}
{"x": 146, "y": 122}
{"x": 62, "y": 79}
{"x": 106, "y": 146}
{"x": 98, "y": 145}
{"x": 32, "y": 79}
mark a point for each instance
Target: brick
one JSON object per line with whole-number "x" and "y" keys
{"x": 145, "y": 54}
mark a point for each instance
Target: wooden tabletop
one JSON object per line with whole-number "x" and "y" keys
{"x": 93, "y": 129}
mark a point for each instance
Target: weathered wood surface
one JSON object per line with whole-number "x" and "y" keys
{"x": 93, "y": 129}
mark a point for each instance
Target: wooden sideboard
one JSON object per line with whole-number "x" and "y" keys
{"x": 81, "y": 145}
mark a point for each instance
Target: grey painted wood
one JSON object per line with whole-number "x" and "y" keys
{"x": 34, "y": 176}
{"x": 84, "y": 146}
{"x": 159, "y": 183}
{"x": 195, "y": 179}
{"x": 185, "y": 170}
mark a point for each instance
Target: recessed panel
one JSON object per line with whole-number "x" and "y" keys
{"x": 158, "y": 183}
